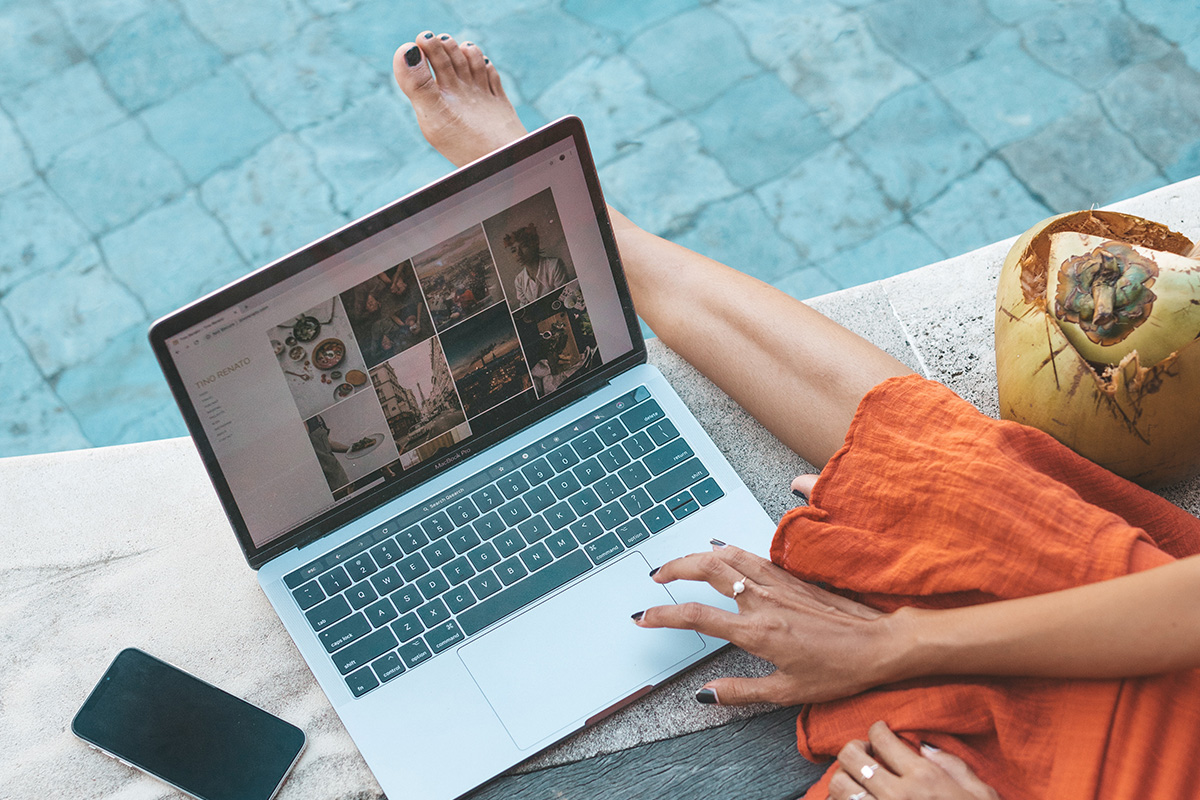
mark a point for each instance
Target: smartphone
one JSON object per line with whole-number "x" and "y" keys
{"x": 190, "y": 734}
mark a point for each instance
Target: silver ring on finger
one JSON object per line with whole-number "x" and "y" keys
{"x": 868, "y": 771}
{"x": 739, "y": 586}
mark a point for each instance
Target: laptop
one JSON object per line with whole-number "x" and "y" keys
{"x": 437, "y": 440}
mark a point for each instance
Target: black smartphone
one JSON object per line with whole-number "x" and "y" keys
{"x": 190, "y": 734}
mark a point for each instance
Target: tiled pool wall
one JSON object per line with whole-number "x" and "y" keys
{"x": 153, "y": 150}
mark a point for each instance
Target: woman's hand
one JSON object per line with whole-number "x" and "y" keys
{"x": 822, "y": 645}
{"x": 885, "y": 768}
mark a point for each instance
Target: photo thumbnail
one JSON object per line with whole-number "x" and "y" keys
{"x": 387, "y": 313}
{"x": 318, "y": 357}
{"x": 458, "y": 277}
{"x": 556, "y": 333}
{"x": 530, "y": 247}
{"x": 350, "y": 440}
{"x": 419, "y": 402}
{"x": 486, "y": 360}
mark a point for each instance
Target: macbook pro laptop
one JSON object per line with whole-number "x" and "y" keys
{"x": 438, "y": 441}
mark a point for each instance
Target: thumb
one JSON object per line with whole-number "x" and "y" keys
{"x": 744, "y": 691}
{"x": 963, "y": 775}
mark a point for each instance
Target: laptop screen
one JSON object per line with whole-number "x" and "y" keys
{"x": 360, "y": 365}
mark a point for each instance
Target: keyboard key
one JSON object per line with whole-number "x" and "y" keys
{"x": 433, "y": 613}
{"x": 667, "y": 456}
{"x": 539, "y": 498}
{"x": 509, "y": 543}
{"x": 611, "y": 432}
{"x": 675, "y": 501}
{"x": 488, "y": 498}
{"x": 514, "y": 511}
{"x": 345, "y": 632}
{"x": 349, "y": 550}
{"x": 462, "y": 512}
{"x": 587, "y": 529}
{"x": 413, "y": 567}
{"x": 412, "y": 539}
{"x": 437, "y": 525}
{"x": 305, "y": 573}
{"x": 613, "y": 458}
{"x": 360, "y": 567}
{"x": 432, "y": 585}
{"x": 535, "y": 557}
{"x": 381, "y": 612}
{"x": 485, "y": 584}
{"x": 407, "y": 627}
{"x": 387, "y": 581}
{"x": 561, "y": 543}
{"x": 535, "y": 528}
{"x": 524, "y": 592}
{"x": 458, "y": 570}
{"x": 361, "y": 682}
{"x": 588, "y": 445}
{"x": 588, "y": 472}
{"x": 388, "y": 667}
{"x": 361, "y": 594}
{"x": 511, "y": 571}
{"x": 564, "y": 485}
{"x": 657, "y": 518}
{"x": 638, "y": 445}
{"x": 636, "y": 502}
{"x": 308, "y": 595}
{"x": 459, "y": 599}
{"x": 609, "y": 489}
{"x": 414, "y": 653}
{"x": 662, "y": 432}
{"x": 604, "y": 548}
{"x": 334, "y": 581}
{"x": 690, "y": 507}
{"x": 483, "y": 556}
{"x": 445, "y": 635}
{"x": 642, "y": 415}
{"x": 676, "y": 478}
{"x": 463, "y": 540}
{"x": 584, "y": 501}
{"x": 560, "y": 515}
{"x": 512, "y": 485}
{"x": 706, "y": 491}
{"x": 365, "y": 650}
{"x": 537, "y": 472}
{"x": 634, "y": 475}
{"x": 438, "y": 553}
{"x": 611, "y": 515}
{"x": 386, "y": 553}
{"x": 563, "y": 458}
{"x": 327, "y": 613}
{"x": 489, "y": 525}
{"x": 407, "y": 599}
{"x": 632, "y": 532}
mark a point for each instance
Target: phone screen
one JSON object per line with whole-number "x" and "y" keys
{"x": 186, "y": 732}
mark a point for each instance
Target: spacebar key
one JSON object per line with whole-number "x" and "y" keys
{"x": 544, "y": 581}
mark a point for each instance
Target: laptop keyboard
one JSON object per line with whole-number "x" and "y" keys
{"x": 438, "y": 574}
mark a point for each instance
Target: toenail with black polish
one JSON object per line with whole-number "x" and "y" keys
{"x": 444, "y": 37}
{"x": 429, "y": 36}
{"x": 412, "y": 56}
{"x": 487, "y": 60}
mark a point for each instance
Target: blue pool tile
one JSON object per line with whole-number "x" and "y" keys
{"x": 1187, "y": 165}
{"x": 1004, "y": 94}
{"x": 113, "y": 176}
{"x": 373, "y": 29}
{"x": 213, "y": 124}
{"x": 692, "y": 58}
{"x": 1065, "y": 40}
{"x": 930, "y": 40}
{"x": 482, "y": 13}
{"x": 14, "y": 155}
{"x": 172, "y": 255}
{"x": 1176, "y": 20}
{"x": 308, "y": 78}
{"x": 63, "y": 109}
{"x": 1079, "y": 161}
{"x": 420, "y": 167}
{"x": 67, "y": 315}
{"x": 825, "y": 53}
{"x": 236, "y": 26}
{"x": 35, "y": 44}
{"x": 666, "y": 179}
{"x": 37, "y": 233}
{"x": 738, "y": 232}
{"x": 805, "y": 283}
{"x": 759, "y": 130}
{"x": 898, "y": 249}
{"x": 984, "y": 207}
{"x": 94, "y": 22}
{"x": 1017, "y": 11}
{"x": 273, "y": 202}
{"x": 916, "y": 145}
{"x": 153, "y": 56}
{"x": 611, "y": 97}
{"x": 119, "y": 389}
{"x": 830, "y": 203}
{"x": 626, "y": 20}
{"x": 32, "y": 417}
{"x": 1158, "y": 105}
{"x": 535, "y": 47}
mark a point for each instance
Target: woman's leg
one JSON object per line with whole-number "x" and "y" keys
{"x": 800, "y": 374}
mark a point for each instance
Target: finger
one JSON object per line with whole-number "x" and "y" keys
{"x": 963, "y": 775}
{"x": 744, "y": 691}
{"x": 708, "y": 567}
{"x": 804, "y": 485}
{"x": 694, "y": 617}
{"x": 866, "y": 769}
{"x": 891, "y": 750}
{"x": 844, "y": 787}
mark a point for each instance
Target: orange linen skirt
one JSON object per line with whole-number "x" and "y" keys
{"x": 933, "y": 504}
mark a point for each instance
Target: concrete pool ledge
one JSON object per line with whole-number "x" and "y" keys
{"x": 128, "y": 546}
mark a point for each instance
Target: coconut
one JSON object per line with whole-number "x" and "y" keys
{"x": 1098, "y": 342}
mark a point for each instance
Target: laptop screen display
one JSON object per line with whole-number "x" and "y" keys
{"x": 401, "y": 340}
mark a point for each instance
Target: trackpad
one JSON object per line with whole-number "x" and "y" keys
{"x": 577, "y": 653}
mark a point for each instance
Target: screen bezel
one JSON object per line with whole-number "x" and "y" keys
{"x": 291, "y": 265}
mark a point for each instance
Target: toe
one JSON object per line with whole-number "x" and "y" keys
{"x": 458, "y": 60}
{"x": 474, "y": 58}
{"x": 493, "y": 78}
{"x": 412, "y": 71}
{"x": 435, "y": 52}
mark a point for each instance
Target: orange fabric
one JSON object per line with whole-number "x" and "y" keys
{"x": 931, "y": 503}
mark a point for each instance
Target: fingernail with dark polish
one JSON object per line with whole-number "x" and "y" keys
{"x": 654, "y": 571}
{"x": 637, "y": 616}
{"x": 429, "y": 36}
{"x": 930, "y": 748}
{"x": 412, "y": 56}
{"x": 799, "y": 494}
{"x": 717, "y": 543}
{"x": 706, "y": 696}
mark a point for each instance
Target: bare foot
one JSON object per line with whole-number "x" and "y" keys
{"x": 460, "y": 104}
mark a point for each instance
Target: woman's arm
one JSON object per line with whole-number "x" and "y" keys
{"x": 825, "y": 646}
